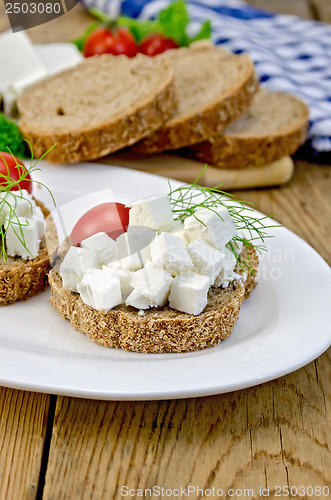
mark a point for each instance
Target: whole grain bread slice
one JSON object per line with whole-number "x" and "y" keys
{"x": 103, "y": 104}
{"x": 158, "y": 330}
{"x": 274, "y": 126}
{"x": 213, "y": 87}
{"x": 21, "y": 279}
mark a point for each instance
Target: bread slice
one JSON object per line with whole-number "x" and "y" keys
{"x": 103, "y": 104}
{"x": 213, "y": 86}
{"x": 158, "y": 330}
{"x": 274, "y": 126}
{"x": 21, "y": 279}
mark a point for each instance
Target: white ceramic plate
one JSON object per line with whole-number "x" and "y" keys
{"x": 285, "y": 324}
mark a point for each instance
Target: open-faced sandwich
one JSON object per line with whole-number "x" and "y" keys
{"x": 24, "y": 261}
{"x": 171, "y": 278}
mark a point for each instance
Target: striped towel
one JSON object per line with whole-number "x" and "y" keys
{"x": 291, "y": 54}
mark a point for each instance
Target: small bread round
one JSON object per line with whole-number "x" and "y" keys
{"x": 103, "y": 104}
{"x": 274, "y": 126}
{"x": 21, "y": 279}
{"x": 158, "y": 330}
{"x": 213, "y": 87}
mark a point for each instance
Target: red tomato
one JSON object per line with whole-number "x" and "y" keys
{"x": 111, "y": 218}
{"x": 105, "y": 41}
{"x": 155, "y": 44}
{"x": 11, "y": 168}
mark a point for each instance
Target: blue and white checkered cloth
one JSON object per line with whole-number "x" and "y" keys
{"x": 291, "y": 54}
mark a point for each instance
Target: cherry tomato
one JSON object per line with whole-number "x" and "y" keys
{"x": 105, "y": 41}
{"x": 155, "y": 44}
{"x": 12, "y": 168}
{"x": 111, "y": 218}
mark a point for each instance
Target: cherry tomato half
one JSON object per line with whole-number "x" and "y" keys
{"x": 111, "y": 218}
{"x": 155, "y": 44}
{"x": 11, "y": 168}
{"x": 105, "y": 41}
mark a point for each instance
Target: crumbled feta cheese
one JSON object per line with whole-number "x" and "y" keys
{"x": 206, "y": 259}
{"x": 169, "y": 253}
{"x": 139, "y": 301}
{"x": 22, "y": 229}
{"x": 152, "y": 211}
{"x": 103, "y": 244}
{"x": 216, "y": 228}
{"x": 132, "y": 262}
{"x": 75, "y": 263}
{"x": 226, "y": 274}
{"x": 100, "y": 290}
{"x": 189, "y": 293}
{"x": 124, "y": 275}
{"x": 153, "y": 283}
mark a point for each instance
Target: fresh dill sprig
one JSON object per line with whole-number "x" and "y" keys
{"x": 186, "y": 200}
{"x": 12, "y": 186}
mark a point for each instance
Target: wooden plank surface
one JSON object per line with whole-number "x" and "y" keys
{"x": 23, "y": 421}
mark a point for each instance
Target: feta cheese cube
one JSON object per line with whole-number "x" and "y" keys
{"x": 75, "y": 263}
{"x": 139, "y": 301}
{"x": 175, "y": 225}
{"x": 152, "y": 211}
{"x": 133, "y": 262}
{"x": 19, "y": 231}
{"x": 134, "y": 240}
{"x": 103, "y": 245}
{"x": 169, "y": 253}
{"x": 100, "y": 290}
{"x": 124, "y": 275}
{"x": 17, "y": 203}
{"x": 153, "y": 283}
{"x": 206, "y": 259}
{"x": 226, "y": 273}
{"x": 189, "y": 293}
{"x": 216, "y": 228}
{"x": 38, "y": 216}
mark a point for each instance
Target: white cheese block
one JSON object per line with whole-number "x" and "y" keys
{"x": 103, "y": 244}
{"x": 17, "y": 203}
{"x": 153, "y": 283}
{"x": 124, "y": 275}
{"x": 133, "y": 262}
{"x": 189, "y": 293}
{"x": 23, "y": 67}
{"x": 134, "y": 240}
{"x": 216, "y": 228}
{"x": 175, "y": 225}
{"x": 38, "y": 216}
{"x": 152, "y": 211}
{"x": 169, "y": 253}
{"x": 206, "y": 259}
{"x": 100, "y": 290}
{"x": 137, "y": 300}
{"x": 75, "y": 263}
{"x": 22, "y": 230}
{"x": 226, "y": 274}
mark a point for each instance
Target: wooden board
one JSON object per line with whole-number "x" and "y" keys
{"x": 187, "y": 170}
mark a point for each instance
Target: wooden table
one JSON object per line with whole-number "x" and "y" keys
{"x": 274, "y": 435}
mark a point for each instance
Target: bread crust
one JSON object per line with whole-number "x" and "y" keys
{"x": 20, "y": 279}
{"x": 209, "y": 122}
{"x": 158, "y": 330}
{"x": 105, "y": 138}
{"x": 238, "y": 151}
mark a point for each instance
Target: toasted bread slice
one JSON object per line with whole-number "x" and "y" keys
{"x": 103, "y": 104}
{"x": 21, "y": 279}
{"x": 274, "y": 126}
{"x": 213, "y": 87}
{"x": 158, "y": 330}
